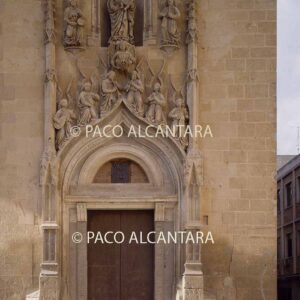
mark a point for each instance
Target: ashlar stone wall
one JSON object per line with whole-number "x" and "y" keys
{"x": 238, "y": 85}
{"x": 21, "y": 141}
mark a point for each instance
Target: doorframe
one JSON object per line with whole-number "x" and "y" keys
{"x": 165, "y": 256}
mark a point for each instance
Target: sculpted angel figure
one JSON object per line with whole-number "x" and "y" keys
{"x": 86, "y": 104}
{"x": 169, "y": 27}
{"x": 179, "y": 115}
{"x": 135, "y": 90}
{"x": 62, "y": 122}
{"x": 122, "y": 19}
{"x": 110, "y": 92}
{"x": 156, "y": 102}
{"x": 73, "y": 35}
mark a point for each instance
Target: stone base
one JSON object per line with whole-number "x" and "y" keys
{"x": 34, "y": 296}
{"x": 49, "y": 287}
{"x": 193, "y": 282}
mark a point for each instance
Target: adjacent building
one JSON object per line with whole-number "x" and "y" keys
{"x": 288, "y": 242}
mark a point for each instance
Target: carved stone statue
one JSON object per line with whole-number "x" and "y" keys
{"x": 135, "y": 90}
{"x": 179, "y": 116}
{"x": 124, "y": 56}
{"x": 122, "y": 19}
{"x": 156, "y": 102}
{"x": 110, "y": 92}
{"x": 62, "y": 122}
{"x": 86, "y": 104}
{"x": 74, "y": 23}
{"x": 170, "y": 14}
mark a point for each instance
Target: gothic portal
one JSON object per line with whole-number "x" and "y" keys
{"x": 120, "y": 66}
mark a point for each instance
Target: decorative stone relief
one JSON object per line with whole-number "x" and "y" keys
{"x": 122, "y": 20}
{"x": 47, "y": 160}
{"x": 62, "y": 122}
{"x": 50, "y": 75}
{"x": 179, "y": 115}
{"x": 135, "y": 90}
{"x": 122, "y": 56}
{"x": 87, "y": 100}
{"x": 50, "y": 36}
{"x": 193, "y": 75}
{"x": 192, "y": 32}
{"x": 74, "y": 26}
{"x": 170, "y": 35}
{"x": 156, "y": 104}
{"x": 144, "y": 92}
{"x": 110, "y": 93}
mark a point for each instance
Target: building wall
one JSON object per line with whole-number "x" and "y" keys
{"x": 237, "y": 59}
{"x": 237, "y": 81}
{"x": 21, "y": 123}
{"x": 288, "y": 241}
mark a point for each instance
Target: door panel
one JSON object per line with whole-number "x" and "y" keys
{"x": 104, "y": 259}
{"x": 137, "y": 259}
{"x": 121, "y": 271}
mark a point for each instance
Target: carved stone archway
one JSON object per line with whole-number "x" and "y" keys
{"x": 68, "y": 165}
{"x": 163, "y": 164}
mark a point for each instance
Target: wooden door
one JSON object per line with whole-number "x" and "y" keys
{"x": 121, "y": 271}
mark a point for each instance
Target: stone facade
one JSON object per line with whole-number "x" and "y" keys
{"x": 220, "y": 58}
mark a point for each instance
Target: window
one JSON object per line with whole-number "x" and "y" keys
{"x": 121, "y": 171}
{"x": 285, "y": 294}
{"x": 278, "y": 200}
{"x": 298, "y": 190}
{"x": 289, "y": 245}
{"x": 288, "y": 194}
{"x": 298, "y": 242}
{"x": 278, "y": 248}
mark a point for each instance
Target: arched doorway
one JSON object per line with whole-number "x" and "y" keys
{"x": 123, "y": 179}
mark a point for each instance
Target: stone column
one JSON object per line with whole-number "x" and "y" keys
{"x": 192, "y": 67}
{"x": 81, "y": 251}
{"x": 159, "y": 251}
{"x": 193, "y": 276}
{"x": 151, "y": 11}
{"x": 49, "y": 276}
{"x": 95, "y": 38}
{"x": 164, "y": 254}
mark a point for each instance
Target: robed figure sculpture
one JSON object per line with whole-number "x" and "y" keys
{"x": 122, "y": 19}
